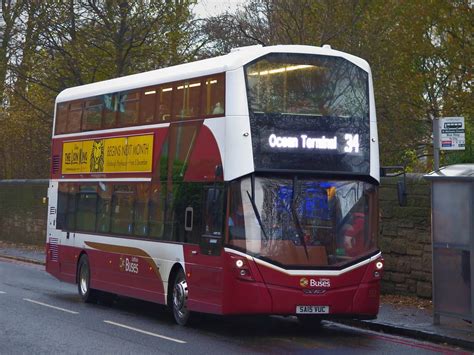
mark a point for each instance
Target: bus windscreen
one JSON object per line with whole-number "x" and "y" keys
{"x": 303, "y": 223}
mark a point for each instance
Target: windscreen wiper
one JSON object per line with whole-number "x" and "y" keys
{"x": 297, "y": 221}
{"x": 259, "y": 220}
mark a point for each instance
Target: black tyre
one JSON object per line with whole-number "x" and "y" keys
{"x": 84, "y": 280}
{"x": 179, "y": 300}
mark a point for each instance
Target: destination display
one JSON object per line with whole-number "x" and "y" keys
{"x": 109, "y": 155}
{"x": 326, "y": 144}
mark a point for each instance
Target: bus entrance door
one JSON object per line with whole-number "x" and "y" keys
{"x": 204, "y": 262}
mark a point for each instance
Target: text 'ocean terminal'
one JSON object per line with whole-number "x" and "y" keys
{"x": 320, "y": 143}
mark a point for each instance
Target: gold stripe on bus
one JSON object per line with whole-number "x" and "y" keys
{"x": 130, "y": 251}
{"x": 133, "y": 154}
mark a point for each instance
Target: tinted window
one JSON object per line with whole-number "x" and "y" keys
{"x": 86, "y": 208}
{"x": 213, "y": 210}
{"x": 214, "y": 96}
{"x": 104, "y": 207}
{"x": 128, "y": 108}
{"x": 61, "y": 118}
{"x": 157, "y": 211}
{"x": 74, "y": 117}
{"x": 110, "y": 109}
{"x": 148, "y": 105}
{"x": 71, "y": 207}
{"x": 181, "y": 142}
{"x": 142, "y": 209}
{"x": 307, "y": 85}
{"x": 123, "y": 201}
{"x": 187, "y": 197}
{"x": 187, "y": 100}
{"x": 63, "y": 190}
{"x": 92, "y": 115}
{"x": 165, "y": 103}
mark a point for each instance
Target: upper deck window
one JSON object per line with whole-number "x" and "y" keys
{"x": 92, "y": 115}
{"x": 128, "y": 108}
{"x": 214, "y": 95}
{"x": 307, "y": 85}
{"x": 196, "y": 98}
{"x": 187, "y": 100}
{"x": 74, "y": 117}
{"x": 61, "y": 118}
{"x": 148, "y": 105}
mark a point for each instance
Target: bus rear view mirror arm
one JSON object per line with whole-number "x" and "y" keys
{"x": 394, "y": 171}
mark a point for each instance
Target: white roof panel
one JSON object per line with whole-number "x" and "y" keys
{"x": 235, "y": 59}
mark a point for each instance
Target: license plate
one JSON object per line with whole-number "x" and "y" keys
{"x": 312, "y": 309}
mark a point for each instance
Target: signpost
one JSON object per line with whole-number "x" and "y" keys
{"x": 452, "y": 133}
{"x": 449, "y": 133}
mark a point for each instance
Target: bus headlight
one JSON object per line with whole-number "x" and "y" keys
{"x": 241, "y": 268}
{"x": 378, "y": 268}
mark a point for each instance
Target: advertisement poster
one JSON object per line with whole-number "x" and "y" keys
{"x": 108, "y": 155}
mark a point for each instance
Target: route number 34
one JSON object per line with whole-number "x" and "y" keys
{"x": 352, "y": 143}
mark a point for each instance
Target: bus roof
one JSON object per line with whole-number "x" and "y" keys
{"x": 235, "y": 59}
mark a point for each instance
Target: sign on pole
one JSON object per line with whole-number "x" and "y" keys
{"x": 452, "y": 133}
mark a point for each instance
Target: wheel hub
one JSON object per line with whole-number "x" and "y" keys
{"x": 180, "y": 297}
{"x": 83, "y": 281}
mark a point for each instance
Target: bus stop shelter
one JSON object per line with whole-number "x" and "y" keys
{"x": 452, "y": 233}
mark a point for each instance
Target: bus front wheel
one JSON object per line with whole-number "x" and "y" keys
{"x": 180, "y": 299}
{"x": 87, "y": 294}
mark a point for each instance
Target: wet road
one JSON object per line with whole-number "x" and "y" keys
{"x": 39, "y": 314}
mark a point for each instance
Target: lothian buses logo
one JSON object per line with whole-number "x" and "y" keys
{"x": 127, "y": 265}
{"x": 304, "y": 282}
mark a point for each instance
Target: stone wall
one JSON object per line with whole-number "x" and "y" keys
{"x": 22, "y": 212}
{"x": 405, "y": 237}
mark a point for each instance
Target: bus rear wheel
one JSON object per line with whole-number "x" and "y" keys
{"x": 179, "y": 303}
{"x": 87, "y": 294}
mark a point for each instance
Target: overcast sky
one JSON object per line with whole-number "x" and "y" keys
{"x": 207, "y": 8}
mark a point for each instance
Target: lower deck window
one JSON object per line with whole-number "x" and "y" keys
{"x": 155, "y": 211}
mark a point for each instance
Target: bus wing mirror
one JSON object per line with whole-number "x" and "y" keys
{"x": 402, "y": 193}
{"x": 398, "y": 170}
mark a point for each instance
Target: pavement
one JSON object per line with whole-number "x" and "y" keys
{"x": 403, "y": 320}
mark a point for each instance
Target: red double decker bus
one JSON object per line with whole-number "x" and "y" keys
{"x": 241, "y": 184}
